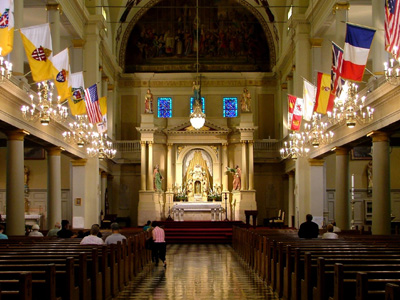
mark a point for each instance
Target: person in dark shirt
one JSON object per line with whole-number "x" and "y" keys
{"x": 309, "y": 229}
{"x": 65, "y": 232}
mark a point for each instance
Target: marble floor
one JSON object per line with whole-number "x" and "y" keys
{"x": 198, "y": 271}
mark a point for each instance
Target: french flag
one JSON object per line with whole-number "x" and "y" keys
{"x": 356, "y": 50}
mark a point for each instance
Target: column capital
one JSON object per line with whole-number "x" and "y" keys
{"x": 316, "y": 162}
{"x": 104, "y": 174}
{"x": 54, "y": 6}
{"x": 225, "y": 144}
{"x": 79, "y": 162}
{"x": 243, "y": 142}
{"x": 54, "y": 151}
{"x": 143, "y": 143}
{"x": 340, "y": 5}
{"x": 16, "y": 135}
{"x": 105, "y": 78}
{"x": 78, "y": 43}
{"x": 379, "y": 136}
{"x": 110, "y": 87}
{"x": 150, "y": 143}
{"x": 250, "y": 142}
{"x": 284, "y": 86}
{"x": 170, "y": 145}
{"x": 316, "y": 42}
{"x": 110, "y": 177}
{"x": 291, "y": 174}
{"x": 341, "y": 151}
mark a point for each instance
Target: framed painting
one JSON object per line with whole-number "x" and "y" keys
{"x": 78, "y": 201}
{"x": 34, "y": 153}
{"x": 361, "y": 152}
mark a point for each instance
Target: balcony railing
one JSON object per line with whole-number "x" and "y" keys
{"x": 127, "y": 146}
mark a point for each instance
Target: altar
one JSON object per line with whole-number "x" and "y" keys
{"x": 29, "y": 219}
{"x": 197, "y": 211}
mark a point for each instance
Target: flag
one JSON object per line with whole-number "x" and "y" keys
{"x": 37, "y": 44}
{"x": 6, "y": 26}
{"x": 392, "y": 26}
{"x": 323, "y": 93}
{"x": 295, "y": 112}
{"x": 309, "y": 91}
{"x": 61, "y": 74}
{"x": 356, "y": 49}
{"x": 92, "y": 104}
{"x": 102, "y": 126}
{"x": 103, "y": 105}
{"x": 336, "y": 81}
{"x": 77, "y": 100}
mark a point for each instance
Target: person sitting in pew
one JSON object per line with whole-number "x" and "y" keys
{"x": 53, "y": 231}
{"x": 2, "y": 235}
{"x": 308, "y": 229}
{"x": 330, "y": 235}
{"x": 65, "y": 232}
{"x": 115, "y": 237}
{"x": 100, "y": 235}
{"x": 93, "y": 239}
{"x": 35, "y": 231}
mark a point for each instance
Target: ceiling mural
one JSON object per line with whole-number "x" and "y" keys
{"x": 230, "y": 38}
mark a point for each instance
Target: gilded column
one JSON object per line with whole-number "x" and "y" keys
{"x": 169, "y": 167}
{"x": 380, "y": 184}
{"x": 291, "y": 206}
{"x": 251, "y": 166}
{"x": 224, "y": 166}
{"x": 15, "y": 183}
{"x": 244, "y": 167}
{"x": 53, "y": 16}
{"x": 53, "y": 186}
{"x": 150, "y": 184}
{"x": 142, "y": 166}
{"x": 342, "y": 188}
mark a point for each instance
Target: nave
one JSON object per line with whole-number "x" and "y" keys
{"x": 198, "y": 271}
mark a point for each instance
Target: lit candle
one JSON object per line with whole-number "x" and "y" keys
{"x": 385, "y": 66}
{"x": 352, "y": 182}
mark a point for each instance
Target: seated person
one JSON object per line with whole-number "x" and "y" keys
{"x": 330, "y": 234}
{"x": 93, "y": 239}
{"x": 88, "y": 232}
{"x": 335, "y": 228}
{"x": 65, "y": 232}
{"x": 147, "y": 226}
{"x": 115, "y": 237}
{"x": 53, "y": 231}
{"x": 2, "y": 235}
{"x": 35, "y": 231}
{"x": 309, "y": 229}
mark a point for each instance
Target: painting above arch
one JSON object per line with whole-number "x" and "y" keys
{"x": 230, "y": 38}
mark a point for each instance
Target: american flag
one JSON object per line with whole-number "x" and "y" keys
{"x": 92, "y": 105}
{"x": 336, "y": 71}
{"x": 392, "y": 25}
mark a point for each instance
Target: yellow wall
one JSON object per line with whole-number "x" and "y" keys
{"x": 266, "y": 117}
{"x": 129, "y": 117}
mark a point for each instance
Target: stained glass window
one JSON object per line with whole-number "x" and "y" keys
{"x": 230, "y": 107}
{"x": 202, "y": 104}
{"x": 164, "y": 107}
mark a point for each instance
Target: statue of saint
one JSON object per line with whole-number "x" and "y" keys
{"x": 369, "y": 175}
{"x": 236, "y": 177}
{"x": 157, "y": 179}
{"x": 196, "y": 90}
{"x": 245, "y": 101}
{"x": 148, "y": 103}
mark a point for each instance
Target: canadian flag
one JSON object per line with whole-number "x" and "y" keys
{"x": 296, "y": 106}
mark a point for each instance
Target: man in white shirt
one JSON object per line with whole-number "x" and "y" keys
{"x": 330, "y": 235}
{"x": 35, "y": 231}
{"x": 93, "y": 239}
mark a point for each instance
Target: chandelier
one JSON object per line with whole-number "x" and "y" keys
{"x": 197, "y": 117}
{"x": 295, "y": 147}
{"x": 101, "y": 147}
{"x": 81, "y": 132}
{"x": 45, "y": 109}
{"x": 5, "y": 68}
{"x": 349, "y": 108}
{"x": 315, "y": 132}
{"x": 392, "y": 75}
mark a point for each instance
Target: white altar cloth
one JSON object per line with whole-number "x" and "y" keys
{"x": 197, "y": 206}
{"x": 197, "y": 211}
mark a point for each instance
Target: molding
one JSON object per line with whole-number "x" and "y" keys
{"x": 316, "y": 42}
{"x": 341, "y": 5}
{"x": 78, "y": 43}
{"x": 316, "y": 162}
{"x": 79, "y": 162}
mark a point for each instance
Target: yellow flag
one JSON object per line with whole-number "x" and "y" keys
{"x": 103, "y": 105}
{"x": 6, "y": 26}
{"x": 77, "y": 101}
{"x": 38, "y": 49}
{"x": 323, "y": 92}
{"x": 61, "y": 74}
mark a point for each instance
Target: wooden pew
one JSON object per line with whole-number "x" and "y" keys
{"x": 22, "y": 290}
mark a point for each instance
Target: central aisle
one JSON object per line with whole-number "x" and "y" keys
{"x": 198, "y": 271}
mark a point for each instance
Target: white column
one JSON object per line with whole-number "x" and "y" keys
{"x": 91, "y": 54}
{"x": 342, "y": 188}
{"x": 15, "y": 183}
{"x": 291, "y": 205}
{"x": 103, "y": 191}
{"x": 316, "y": 58}
{"x": 244, "y": 167}
{"x": 380, "y": 184}
{"x": 302, "y": 57}
{"x": 150, "y": 183}
{"x": 76, "y": 55}
{"x": 317, "y": 193}
{"x": 251, "y": 165}
{"x": 110, "y": 111}
{"x": 284, "y": 104}
{"x": 379, "y": 55}
{"x": 17, "y": 54}
{"x": 142, "y": 166}
{"x": 53, "y": 186}
{"x": 104, "y": 86}
{"x": 53, "y": 17}
{"x": 341, "y": 12}
{"x": 169, "y": 167}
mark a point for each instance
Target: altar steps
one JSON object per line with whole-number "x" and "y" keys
{"x": 204, "y": 232}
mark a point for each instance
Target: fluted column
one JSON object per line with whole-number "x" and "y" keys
{"x": 244, "y": 167}
{"x": 380, "y": 184}
{"x": 53, "y": 16}
{"x": 53, "y": 186}
{"x": 150, "y": 185}
{"x": 103, "y": 183}
{"x": 169, "y": 167}
{"x": 291, "y": 205}
{"x": 251, "y": 166}
{"x": 224, "y": 166}
{"x": 15, "y": 183}
{"x": 342, "y": 188}
{"x": 142, "y": 166}
{"x": 17, "y": 54}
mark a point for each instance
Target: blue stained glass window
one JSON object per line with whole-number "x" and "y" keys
{"x": 230, "y": 107}
{"x": 202, "y": 104}
{"x": 164, "y": 107}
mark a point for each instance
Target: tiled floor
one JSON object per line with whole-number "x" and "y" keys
{"x": 198, "y": 272}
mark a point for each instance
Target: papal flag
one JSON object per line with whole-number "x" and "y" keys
{"x": 77, "y": 100}
{"x": 323, "y": 93}
{"x": 61, "y": 74}
{"x": 6, "y": 26}
{"x": 309, "y": 91}
{"x": 38, "y": 49}
{"x": 102, "y": 126}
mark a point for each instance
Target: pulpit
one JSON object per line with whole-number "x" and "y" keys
{"x": 252, "y": 213}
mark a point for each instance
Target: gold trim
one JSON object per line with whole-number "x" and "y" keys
{"x": 79, "y": 162}
{"x": 379, "y": 136}
{"x": 54, "y": 151}
{"x": 78, "y": 43}
{"x": 110, "y": 87}
{"x": 341, "y": 151}
{"x": 284, "y": 86}
{"x": 16, "y": 135}
{"x": 104, "y": 174}
{"x": 340, "y": 6}
{"x": 316, "y": 42}
{"x": 316, "y": 162}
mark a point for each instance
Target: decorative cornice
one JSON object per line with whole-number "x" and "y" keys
{"x": 316, "y": 162}
{"x": 284, "y": 86}
{"x": 54, "y": 151}
{"x": 379, "y": 136}
{"x": 79, "y": 162}
{"x": 78, "y": 43}
{"x": 340, "y": 6}
{"x": 54, "y": 6}
{"x": 316, "y": 43}
{"x": 213, "y": 129}
{"x": 16, "y": 135}
{"x": 110, "y": 87}
{"x": 342, "y": 151}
